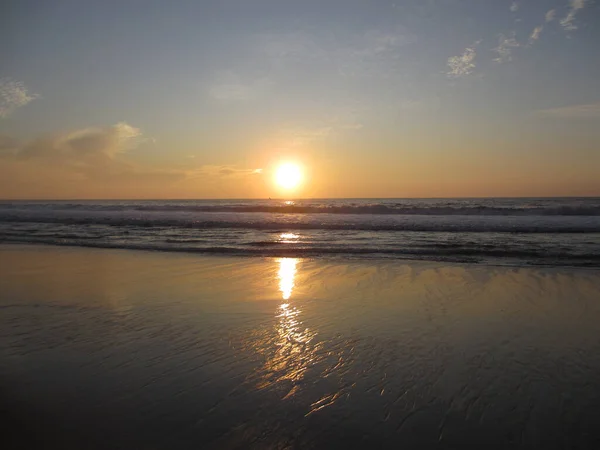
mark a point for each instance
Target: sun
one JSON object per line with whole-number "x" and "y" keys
{"x": 288, "y": 176}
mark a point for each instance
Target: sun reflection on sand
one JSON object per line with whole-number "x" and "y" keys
{"x": 288, "y": 348}
{"x": 287, "y": 272}
{"x": 292, "y": 352}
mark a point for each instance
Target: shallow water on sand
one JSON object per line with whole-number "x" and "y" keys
{"x": 123, "y": 349}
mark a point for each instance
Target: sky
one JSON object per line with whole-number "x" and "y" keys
{"x": 205, "y": 99}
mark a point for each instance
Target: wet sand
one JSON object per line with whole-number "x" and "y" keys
{"x": 121, "y": 349}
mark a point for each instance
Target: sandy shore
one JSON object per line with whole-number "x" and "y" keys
{"x": 124, "y": 349}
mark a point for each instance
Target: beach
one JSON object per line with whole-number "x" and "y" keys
{"x": 105, "y": 348}
{"x": 309, "y": 225}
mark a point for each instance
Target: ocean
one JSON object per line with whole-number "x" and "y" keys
{"x": 524, "y": 231}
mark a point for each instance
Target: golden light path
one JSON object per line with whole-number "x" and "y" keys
{"x": 287, "y": 272}
{"x": 292, "y": 350}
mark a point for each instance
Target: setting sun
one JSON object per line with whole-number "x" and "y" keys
{"x": 288, "y": 176}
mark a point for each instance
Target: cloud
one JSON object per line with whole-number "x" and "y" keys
{"x": 550, "y": 15}
{"x": 89, "y": 153}
{"x": 225, "y": 171}
{"x": 514, "y": 7}
{"x": 13, "y": 95}
{"x": 537, "y": 31}
{"x": 89, "y": 144}
{"x": 505, "y": 46}
{"x": 234, "y": 171}
{"x": 568, "y": 22}
{"x": 462, "y": 65}
{"x": 584, "y": 111}
{"x": 535, "y": 34}
{"x": 96, "y": 162}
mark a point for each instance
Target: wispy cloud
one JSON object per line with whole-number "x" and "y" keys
{"x": 568, "y": 22}
{"x": 463, "y": 64}
{"x": 514, "y": 7}
{"x": 88, "y": 146}
{"x": 93, "y": 155}
{"x": 13, "y": 95}
{"x": 585, "y": 111}
{"x": 535, "y": 34}
{"x": 537, "y": 31}
{"x": 505, "y": 46}
{"x": 96, "y": 161}
{"x": 226, "y": 171}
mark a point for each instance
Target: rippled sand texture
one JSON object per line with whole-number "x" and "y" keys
{"x": 122, "y": 349}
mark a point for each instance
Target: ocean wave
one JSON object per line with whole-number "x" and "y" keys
{"x": 465, "y": 255}
{"x": 411, "y": 223}
{"x": 388, "y": 210}
{"x": 325, "y": 208}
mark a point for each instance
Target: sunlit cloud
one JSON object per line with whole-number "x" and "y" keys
{"x": 535, "y": 34}
{"x": 225, "y": 171}
{"x": 13, "y": 95}
{"x": 88, "y": 144}
{"x": 585, "y": 111}
{"x": 96, "y": 161}
{"x": 537, "y": 31}
{"x": 463, "y": 64}
{"x": 86, "y": 160}
{"x": 505, "y": 46}
{"x": 514, "y": 7}
{"x": 568, "y": 22}
{"x": 550, "y": 15}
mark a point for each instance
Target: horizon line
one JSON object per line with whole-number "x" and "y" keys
{"x": 291, "y": 198}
